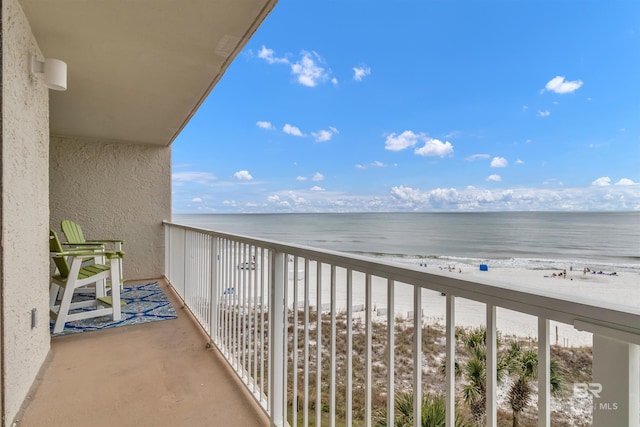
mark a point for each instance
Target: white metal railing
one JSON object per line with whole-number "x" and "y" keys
{"x": 268, "y": 306}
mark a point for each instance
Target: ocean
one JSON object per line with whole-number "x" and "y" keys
{"x": 608, "y": 241}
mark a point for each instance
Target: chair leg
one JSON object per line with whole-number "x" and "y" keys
{"x": 63, "y": 310}
{"x": 115, "y": 289}
{"x": 54, "y": 291}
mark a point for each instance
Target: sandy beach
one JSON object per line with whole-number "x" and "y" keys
{"x": 621, "y": 289}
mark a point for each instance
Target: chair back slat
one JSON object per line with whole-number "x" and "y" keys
{"x": 72, "y": 232}
{"x": 61, "y": 262}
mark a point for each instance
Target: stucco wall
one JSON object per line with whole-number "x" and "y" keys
{"x": 25, "y": 209}
{"x": 114, "y": 191}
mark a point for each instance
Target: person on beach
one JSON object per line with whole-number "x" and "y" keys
{"x": 564, "y": 273}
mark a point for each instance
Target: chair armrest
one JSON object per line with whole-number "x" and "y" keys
{"x": 89, "y": 246}
{"x": 88, "y": 254}
{"x": 105, "y": 241}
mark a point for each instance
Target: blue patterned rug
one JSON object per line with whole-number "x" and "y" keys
{"x": 143, "y": 303}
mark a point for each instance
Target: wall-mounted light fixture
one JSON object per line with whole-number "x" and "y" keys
{"x": 54, "y": 70}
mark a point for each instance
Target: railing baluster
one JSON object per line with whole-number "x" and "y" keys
{"x": 228, "y": 262}
{"x": 262, "y": 303}
{"x": 245, "y": 315}
{"x": 249, "y": 316}
{"x": 294, "y": 417}
{"x": 270, "y": 332}
{"x": 349, "y": 382}
{"x": 390, "y": 354}
{"x": 368, "y": 350}
{"x": 306, "y": 343}
{"x": 236, "y": 304}
{"x": 332, "y": 383}
{"x": 215, "y": 289}
{"x": 277, "y": 333}
{"x": 319, "y": 344}
{"x": 285, "y": 332}
{"x": 253, "y": 323}
{"x": 187, "y": 271}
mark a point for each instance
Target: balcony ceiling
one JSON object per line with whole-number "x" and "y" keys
{"x": 138, "y": 70}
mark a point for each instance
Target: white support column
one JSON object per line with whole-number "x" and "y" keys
{"x": 276, "y": 335}
{"x": 417, "y": 356}
{"x": 544, "y": 376}
{"x": 491, "y": 385}
{"x": 615, "y": 382}
{"x": 450, "y": 360}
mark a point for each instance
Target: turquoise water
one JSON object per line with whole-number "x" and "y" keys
{"x": 600, "y": 240}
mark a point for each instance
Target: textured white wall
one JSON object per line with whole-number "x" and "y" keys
{"x": 114, "y": 191}
{"x": 25, "y": 209}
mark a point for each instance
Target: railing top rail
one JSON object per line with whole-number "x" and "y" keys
{"x": 555, "y": 307}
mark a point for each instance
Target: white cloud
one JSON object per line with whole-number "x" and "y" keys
{"x": 301, "y": 178}
{"x": 308, "y": 70}
{"x": 291, "y": 130}
{"x": 494, "y": 178}
{"x": 334, "y": 81}
{"x": 499, "y": 162}
{"x": 405, "y": 140}
{"x": 324, "y": 135}
{"x": 360, "y": 72}
{"x": 269, "y": 56}
{"x": 196, "y": 200}
{"x": 317, "y": 177}
{"x": 431, "y": 147}
{"x": 434, "y": 147}
{"x": 374, "y": 164}
{"x": 475, "y": 157}
{"x": 243, "y": 175}
{"x": 407, "y": 199}
{"x": 602, "y": 181}
{"x": 559, "y": 85}
{"x": 264, "y": 125}
{"x": 625, "y": 181}
{"x": 545, "y": 113}
{"x": 519, "y": 162}
{"x": 316, "y": 188}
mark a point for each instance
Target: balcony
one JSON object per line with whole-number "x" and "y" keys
{"x": 229, "y": 360}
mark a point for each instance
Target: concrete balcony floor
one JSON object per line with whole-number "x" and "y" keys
{"x": 153, "y": 374}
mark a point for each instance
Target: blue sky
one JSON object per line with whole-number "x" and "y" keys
{"x": 353, "y": 105}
